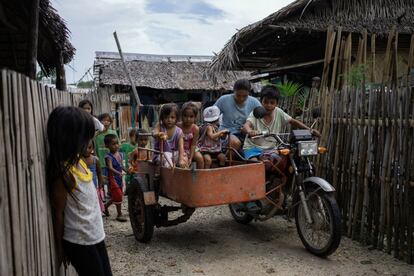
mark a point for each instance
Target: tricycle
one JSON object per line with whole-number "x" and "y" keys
{"x": 285, "y": 187}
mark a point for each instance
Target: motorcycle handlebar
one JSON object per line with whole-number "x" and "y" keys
{"x": 274, "y": 135}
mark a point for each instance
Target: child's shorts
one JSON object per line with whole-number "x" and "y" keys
{"x": 116, "y": 191}
{"x": 212, "y": 154}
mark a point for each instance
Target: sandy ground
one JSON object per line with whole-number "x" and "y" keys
{"x": 211, "y": 243}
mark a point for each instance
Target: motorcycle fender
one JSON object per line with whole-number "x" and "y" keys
{"x": 321, "y": 183}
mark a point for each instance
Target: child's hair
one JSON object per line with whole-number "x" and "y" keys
{"x": 132, "y": 132}
{"x": 191, "y": 106}
{"x": 104, "y": 116}
{"x": 166, "y": 109}
{"x": 108, "y": 139}
{"x": 69, "y": 130}
{"x": 242, "y": 84}
{"x": 85, "y": 102}
{"x": 269, "y": 92}
{"x": 140, "y": 131}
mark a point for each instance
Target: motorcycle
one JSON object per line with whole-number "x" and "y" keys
{"x": 293, "y": 190}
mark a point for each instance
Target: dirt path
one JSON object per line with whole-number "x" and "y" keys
{"x": 211, "y": 243}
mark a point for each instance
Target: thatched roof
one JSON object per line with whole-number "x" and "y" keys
{"x": 183, "y": 75}
{"x": 14, "y": 27}
{"x": 55, "y": 31}
{"x": 301, "y": 27}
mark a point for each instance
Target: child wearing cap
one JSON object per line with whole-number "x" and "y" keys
{"x": 209, "y": 142}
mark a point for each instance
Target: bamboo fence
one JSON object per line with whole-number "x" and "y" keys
{"x": 368, "y": 128}
{"x": 26, "y": 236}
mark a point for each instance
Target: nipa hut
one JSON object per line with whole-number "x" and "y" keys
{"x": 293, "y": 39}
{"x": 32, "y": 32}
{"x": 159, "y": 79}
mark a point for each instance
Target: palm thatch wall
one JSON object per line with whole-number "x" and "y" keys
{"x": 297, "y": 33}
{"x": 53, "y": 39}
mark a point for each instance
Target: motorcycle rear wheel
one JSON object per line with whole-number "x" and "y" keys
{"x": 326, "y": 225}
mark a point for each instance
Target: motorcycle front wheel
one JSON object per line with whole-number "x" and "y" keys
{"x": 323, "y": 235}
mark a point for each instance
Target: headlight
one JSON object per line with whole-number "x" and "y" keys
{"x": 307, "y": 148}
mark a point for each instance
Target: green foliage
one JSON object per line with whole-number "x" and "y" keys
{"x": 302, "y": 96}
{"x": 356, "y": 75}
{"x": 289, "y": 88}
{"x": 85, "y": 84}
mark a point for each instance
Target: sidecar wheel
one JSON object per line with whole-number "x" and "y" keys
{"x": 239, "y": 216}
{"x": 141, "y": 216}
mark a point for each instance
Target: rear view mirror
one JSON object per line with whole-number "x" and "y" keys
{"x": 316, "y": 112}
{"x": 259, "y": 112}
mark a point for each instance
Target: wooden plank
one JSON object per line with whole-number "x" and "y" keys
{"x": 12, "y": 189}
{"x": 19, "y": 150}
{"x": 16, "y": 211}
{"x": 37, "y": 146}
{"x": 288, "y": 67}
{"x": 373, "y": 54}
{"x": 6, "y": 255}
{"x": 335, "y": 65}
{"x": 30, "y": 179}
{"x": 387, "y": 57}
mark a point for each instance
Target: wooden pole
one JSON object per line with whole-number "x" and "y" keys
{"x": 33, "y": 35}
{"x": 60, "y": 74}
{"x": 134, "y": 89}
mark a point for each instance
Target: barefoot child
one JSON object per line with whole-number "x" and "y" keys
{"x": 210, "y": 144}
{"x": 93, "y": 165}
{"x": 73, "y": 194}
{"x": 171, "y": 136}
{"x": 191, "y": 134}
{"x": 114, "y": 164}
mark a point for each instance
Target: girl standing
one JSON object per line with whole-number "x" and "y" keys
{"x": 77, "y": 219}
{"x": 191, "y": 132}
{"x": 88, "y": 107}
{"x": 93, "y": 165}
{"x": 171, "y": 136}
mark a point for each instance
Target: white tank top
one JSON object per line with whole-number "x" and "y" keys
{"x": 82, "y": 216}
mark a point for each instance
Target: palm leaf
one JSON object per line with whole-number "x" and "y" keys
{"x": 289, "y": 88}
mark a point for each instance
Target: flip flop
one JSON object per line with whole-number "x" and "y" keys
{"x": 121, "y": 219}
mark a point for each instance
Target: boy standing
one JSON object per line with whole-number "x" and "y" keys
{"x": 101, "y": 149}
{"x": 114, "y": 165}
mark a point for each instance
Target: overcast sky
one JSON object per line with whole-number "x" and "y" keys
{"x": 187, "y": 27}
